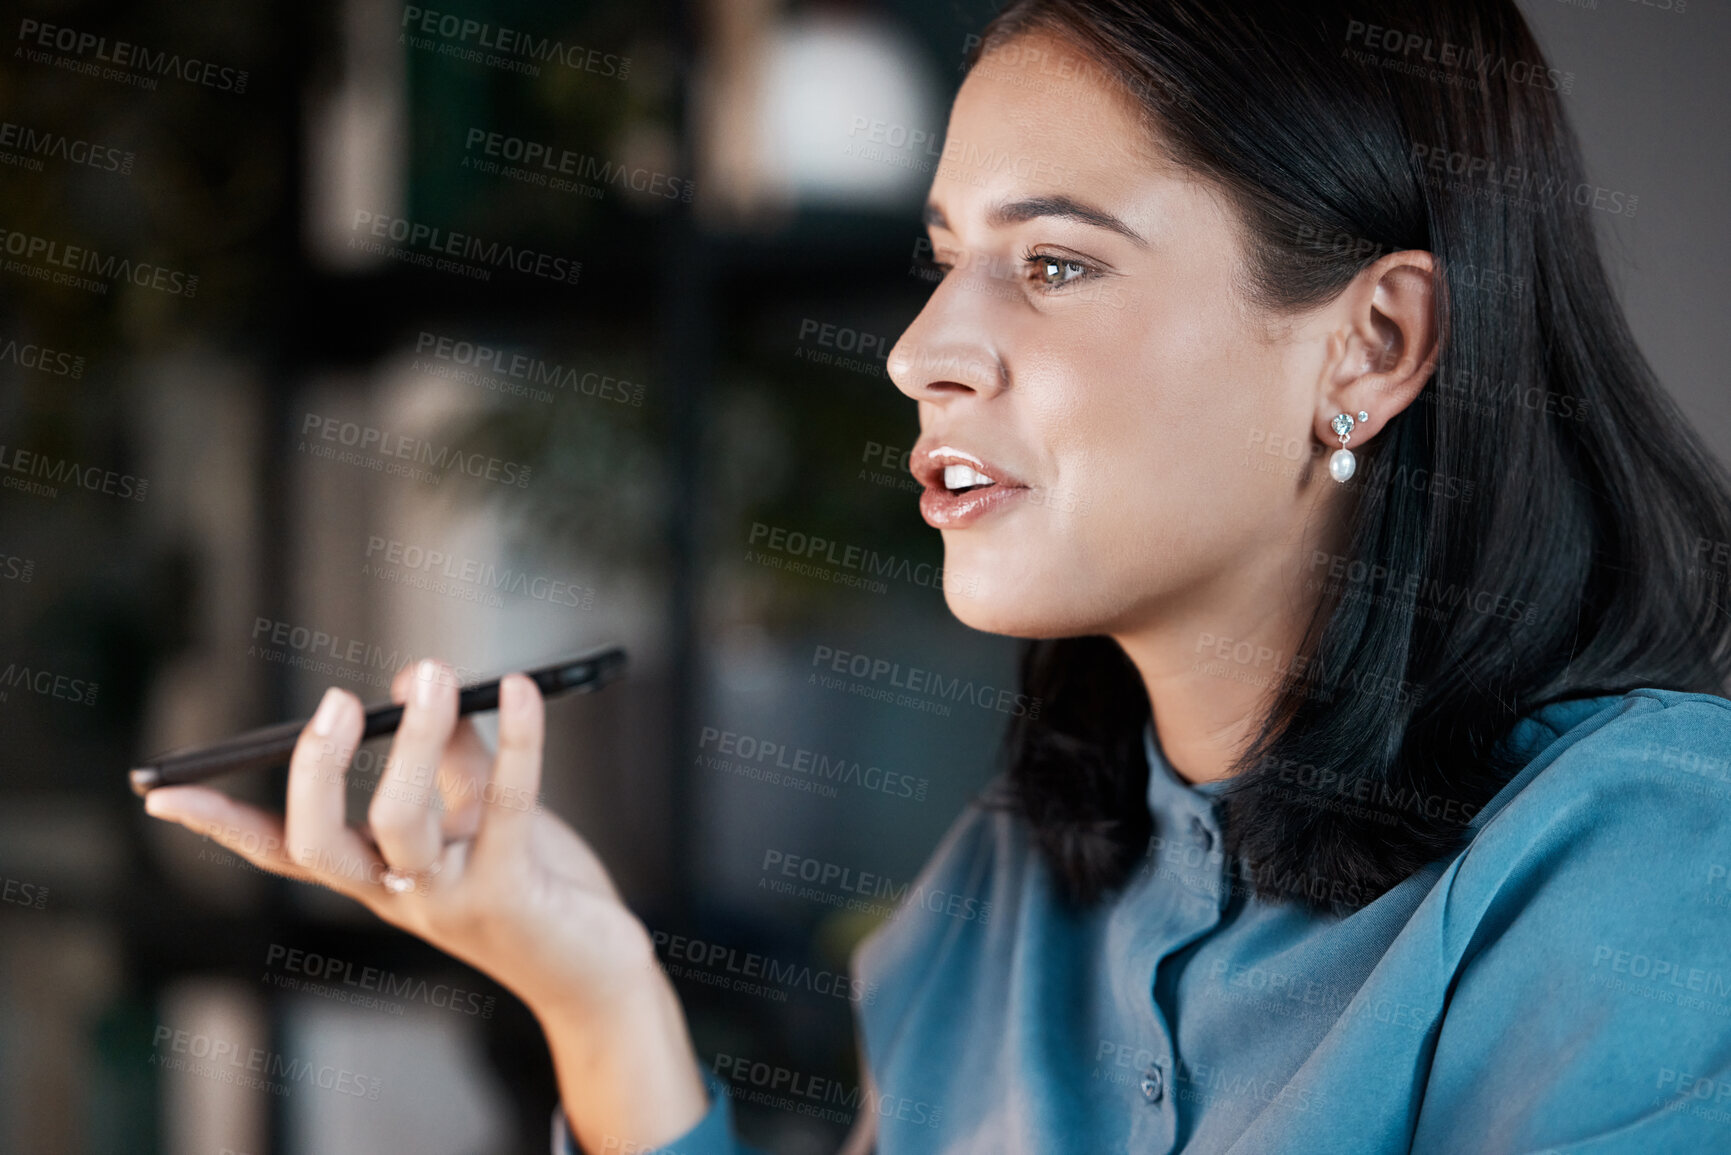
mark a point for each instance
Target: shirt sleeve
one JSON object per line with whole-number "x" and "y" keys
{"x": 1591, "y": 1011}
{"x": 712, "y": 1135}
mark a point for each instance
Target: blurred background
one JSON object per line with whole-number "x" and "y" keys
{"x": 338, "y": 333}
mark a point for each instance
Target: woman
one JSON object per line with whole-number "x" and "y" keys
{"x": 1378, "y": 799}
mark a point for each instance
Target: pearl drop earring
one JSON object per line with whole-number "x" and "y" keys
{"x": 1342, "y": 463}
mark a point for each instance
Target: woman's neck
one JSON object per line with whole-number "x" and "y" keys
{"x": 1213, "y": 661}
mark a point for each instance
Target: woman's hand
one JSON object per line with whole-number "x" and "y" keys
{"x": 458, "y": 852}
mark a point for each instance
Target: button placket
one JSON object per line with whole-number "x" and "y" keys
{"x": 1184, "y": 886}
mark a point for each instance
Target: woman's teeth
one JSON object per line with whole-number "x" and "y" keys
{"x": 960, "y": 477}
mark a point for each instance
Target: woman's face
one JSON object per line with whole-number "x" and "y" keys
{"x": 1091, "y": 350}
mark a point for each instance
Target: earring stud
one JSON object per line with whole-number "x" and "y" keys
{"x": 1342, "y": 464}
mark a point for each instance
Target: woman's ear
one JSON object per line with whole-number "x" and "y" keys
{"x": 1384, "y": 345}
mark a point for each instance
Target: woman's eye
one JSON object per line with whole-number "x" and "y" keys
{"x": 1054, "y": 271}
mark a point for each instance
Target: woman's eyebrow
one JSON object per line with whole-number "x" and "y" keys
{"x": 1015, "y": 212}
{"x": 1030, "y": 208}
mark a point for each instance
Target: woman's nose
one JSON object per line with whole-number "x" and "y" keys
{"x": 948, "y": 350}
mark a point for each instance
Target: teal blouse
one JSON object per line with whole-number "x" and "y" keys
{"x": 1561, "y": 984}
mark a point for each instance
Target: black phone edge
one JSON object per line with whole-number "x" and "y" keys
{"x": 603, "y": 666}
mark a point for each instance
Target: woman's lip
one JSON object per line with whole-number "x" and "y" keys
{"x": 943, "y": 509}
{"x": 927, "y": 462}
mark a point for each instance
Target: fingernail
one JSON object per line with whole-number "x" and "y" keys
{"x": 175, "y": 803}
{"x": 426, "y": 682}
{"x": 325, "y": 720}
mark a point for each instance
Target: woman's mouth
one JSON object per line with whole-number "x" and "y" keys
{"x": 962, "y": 478}
{"x": 960, "y": 488}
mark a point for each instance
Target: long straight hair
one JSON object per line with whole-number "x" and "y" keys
{"x": 1537, "y": 526}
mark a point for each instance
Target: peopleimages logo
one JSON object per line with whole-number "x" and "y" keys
{"x": 1456, "y": 61}
{"x": 55, "y": 261}
{"x": 498, "y": 46}
{"x": 324, "y": 969}
{"x": 48, "y": 684}
{"x": 915, "y": 680}
{"x": 42, "y": 359}
{"x": 370, "y": 447}
{"x": 26, "y": 894}
{"x": 121, "y": 60}
{"x": 487, "y": 360}
{"x": 318, "y": 642}
{"x": 392, "y": 560}
{"x": 440, "y": 243}
{"x": 755, "y": 757}
{"x": 810, "y": 547}
{"x": 29, "y": 464}
{"x": 227, "y": 1062}
{"x": 25, "y": 147}
{"x": 815, "y": 1096}
{"x": 725, "y": 966}
{"x": 834, "y": 884}
{"x": 1515, "y": 184}
{"x": 562, "y": 170}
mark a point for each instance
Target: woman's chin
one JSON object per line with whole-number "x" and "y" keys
{"x": 999, "y": 608}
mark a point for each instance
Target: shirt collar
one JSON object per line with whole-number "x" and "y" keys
{"x": 1531, "y": 736}
{"x": 1170, "y": 796}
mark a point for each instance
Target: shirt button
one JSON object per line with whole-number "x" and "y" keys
{"x": 1153, "y": 1086}
{"x": 1201, "y": 831}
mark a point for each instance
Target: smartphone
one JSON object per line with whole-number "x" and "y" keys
{"x": 271, "y": 745}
